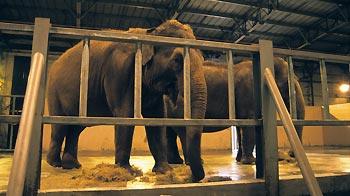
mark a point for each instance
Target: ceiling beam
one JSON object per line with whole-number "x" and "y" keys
{"x": 233, "y": 16}
{"x": 322, "y": 28}
{"x": 162, "y": 7}
{"x": 178, "y": 6}
{"x": 339, "y": 2}
{"x": 67, "y": 12}
{"x": 278, "y": 7}
{"x": 78, "y": 13}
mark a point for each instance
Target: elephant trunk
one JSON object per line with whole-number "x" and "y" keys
{"x": 198, "y": 109}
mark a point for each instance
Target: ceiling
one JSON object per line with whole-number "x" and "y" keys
{"x": 314, "y": 25}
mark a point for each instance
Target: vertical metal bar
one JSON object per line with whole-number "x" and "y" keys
{"x": 258, "y": 129}
{"x": 187, "y": 88}
{"x": 138, "y": 82}
{"x": 78, "y": 14}
{"x": 231, "y": 85}
{"x": 84, "y": 79}
{"x": 13, "y": 107}
{"x": 269, "y": 121}
{"x": 325, "y": 104}
{"x": 294, "y": 140}
{"x": 26, "y": 167}
{"x": 291, "y": 85}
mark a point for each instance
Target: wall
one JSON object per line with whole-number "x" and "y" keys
{"x": 322, "y": 136}
{"x": 339, "y": 136}
{"x": 312, "y": 136}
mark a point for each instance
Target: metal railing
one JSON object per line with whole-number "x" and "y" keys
{"x": 292, "y": 135}
{"x": 267, "y": 164}
{"x": 8, "y": 106}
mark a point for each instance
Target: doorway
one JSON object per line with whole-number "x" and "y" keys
{"x": 19, "y": 83}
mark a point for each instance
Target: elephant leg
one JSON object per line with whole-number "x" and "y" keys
{"x": 193, "y": 149}
{"x": 248, "y": 142}
{"x": 299, "y": 130}
{"x": 239, "y": 153}
{"x": 70, "y": 154}
{"x": 123, "y": 143}
{"x": 157, "y": 144}
{"x": 156, "y": 137}
{"x": 58, "y": 133}
{"x": 172, "y": 149}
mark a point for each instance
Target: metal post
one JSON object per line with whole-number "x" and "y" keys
{"x": 26, "y": 167}
{"x": 325, "y": 104}
{"x": 78, "y": 14}
{"x": 291, "y": 85}
{"x": 13, "y": 108}
{"x": 293, "y": 138}
{"x": 258, "y": 129}
{"x": 231, "y": 85}
{"x": 187, "y": 87}
{"x": 138, "y": 82}
{"x": 269, "y": 121}
{"x": 84, "y": 78}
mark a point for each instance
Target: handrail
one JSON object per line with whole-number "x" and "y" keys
{"x": 19, "y": 167}
{"x": 291, "y": 133}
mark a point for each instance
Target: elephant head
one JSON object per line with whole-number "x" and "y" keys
{"x": 281, "y": 72}
{"x": 164, "y": 73}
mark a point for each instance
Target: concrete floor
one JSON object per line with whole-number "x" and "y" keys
{"x": 330, "y": 161}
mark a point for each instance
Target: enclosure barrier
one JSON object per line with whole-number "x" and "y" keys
{"x": 11, "y": 109}
{"x": 27, "y": 124}
{"x": 292, "y": 135}
{"x": 267, "y": 165}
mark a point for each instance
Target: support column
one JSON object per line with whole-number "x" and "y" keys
{"x": 269, "y": 121}
{"x": 84, "y": 78}
{"x": 324, "y": 85}
{"x": 26, "y": 167}
{"x": 291, "y": 85}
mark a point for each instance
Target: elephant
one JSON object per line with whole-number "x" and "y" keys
{"x": 217, "y": 105}
{"x": 111, "y": 91}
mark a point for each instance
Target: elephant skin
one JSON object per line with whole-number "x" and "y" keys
{"x": 111, "y": 94}
{"x": 217, "y": 105}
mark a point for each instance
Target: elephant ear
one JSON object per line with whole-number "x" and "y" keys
{"x": 147, "y": 50}
{"x": 147, "y": 53}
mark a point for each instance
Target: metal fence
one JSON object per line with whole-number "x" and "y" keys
{"x": 25, "y": 173}
{"x": 9, "y": 106}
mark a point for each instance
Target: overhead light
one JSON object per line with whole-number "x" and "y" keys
{"x": 344, "y": 88}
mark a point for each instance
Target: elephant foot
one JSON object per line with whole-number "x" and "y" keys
{"x": 175, "y": 160}
{"x": 162, "y": 168}
{"x": 53, "y": 160}
{"x": 239, "y": 156}
{"x": 69, "y": 162}
{"x": 197, "y": 174}
{"x": 291, "y": 153}
{"x": 248, "y": 160}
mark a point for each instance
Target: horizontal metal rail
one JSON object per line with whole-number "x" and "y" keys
{"x": 300, "y": 54}
{"x": 17, "y": 96}
{"x": 292, "y": 135}
{"x": 148, "y": 39}
{"x": 106, "y": 35}
{"x": 75, "y": 120}
{"x": 167, "y": 121}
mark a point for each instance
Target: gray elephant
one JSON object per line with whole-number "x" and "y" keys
{"x": 217, "y": 108}
{"x": 111, "y": 92}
